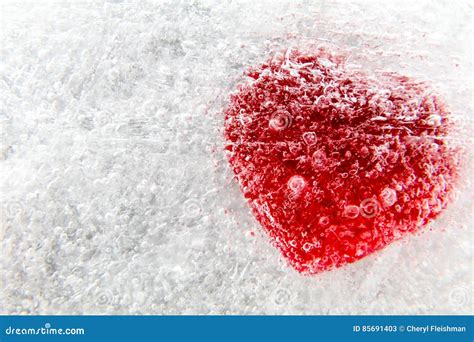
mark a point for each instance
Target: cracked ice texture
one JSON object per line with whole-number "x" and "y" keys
{"x": 116, "y": 195}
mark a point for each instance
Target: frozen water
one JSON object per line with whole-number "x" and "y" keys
{"x": 116, "y": 195}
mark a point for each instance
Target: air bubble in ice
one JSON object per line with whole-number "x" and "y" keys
{"x": 434, "y": 147}
{"x": 364, "y": 152}
{"x": 324, "y": 220}
{"x": 309, "y": 138}
{"x": 434, "y": 120}
{"x": 245, "y": 120}
{"x": 307, "y": 246}
{"x": 389, "y": 197}
{"x": 319, "y": 158}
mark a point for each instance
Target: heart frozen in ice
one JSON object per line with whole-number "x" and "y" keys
{"x": 335, "y": 164}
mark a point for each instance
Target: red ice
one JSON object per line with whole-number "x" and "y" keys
{"x": 335, "y": 164}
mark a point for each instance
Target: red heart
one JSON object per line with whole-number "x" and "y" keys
{"x": 336, "y": 165}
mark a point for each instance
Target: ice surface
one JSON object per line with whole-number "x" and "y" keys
{"x": 116, "y": 195}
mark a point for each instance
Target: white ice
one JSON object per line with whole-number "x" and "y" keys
{"x": 116, "y": 195}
